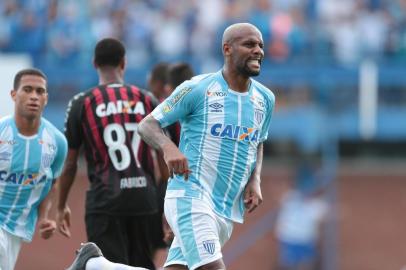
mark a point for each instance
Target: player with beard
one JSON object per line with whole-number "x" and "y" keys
{"x": 215, "y": 172}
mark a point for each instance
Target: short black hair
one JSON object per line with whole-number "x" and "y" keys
{"x": 27, "y": 71}
{"x": 178, "y": 73}
{"x": 158, "y": 72}
{"x": 109, "y": 52}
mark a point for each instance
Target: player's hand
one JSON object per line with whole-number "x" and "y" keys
{"x": 252, "y": 195}
{"x": 63, "y": 221}
{"x": 46, "y": 227}
{"x": 177, "y": 162}
{"x": 168, "y": 233}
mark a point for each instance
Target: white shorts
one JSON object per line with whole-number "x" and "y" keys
{"x": 199, "y": 232}
{"x": 10, "y": 246}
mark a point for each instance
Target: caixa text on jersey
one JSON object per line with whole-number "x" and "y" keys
{"x": 22, "y": 178}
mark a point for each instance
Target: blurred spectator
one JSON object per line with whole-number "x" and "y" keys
{"x": 67, "y": 33}
{"x": 300, "y": 222}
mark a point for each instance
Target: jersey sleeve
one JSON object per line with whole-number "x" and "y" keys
{"x": 73, "y": 130}
{"x": 178, "y": 105}
{"x": 62, "y": 150}
{"x": 268, "y": 115}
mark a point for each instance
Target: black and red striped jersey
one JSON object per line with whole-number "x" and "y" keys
{"x": 120, "y": 165}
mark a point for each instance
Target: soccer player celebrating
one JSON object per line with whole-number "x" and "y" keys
{"x": 215, "y": 172}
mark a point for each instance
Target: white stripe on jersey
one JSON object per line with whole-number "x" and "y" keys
{"x": 207, "y": 164}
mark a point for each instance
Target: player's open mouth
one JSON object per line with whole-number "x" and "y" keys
{"x": 255, "y": 62}
{"x": 34, "y": 107}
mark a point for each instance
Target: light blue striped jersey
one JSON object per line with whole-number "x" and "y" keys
{"x": 221, "y": 130}
{"x": 28, "y": 167}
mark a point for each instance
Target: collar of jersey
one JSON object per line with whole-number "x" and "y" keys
{"x": 224, "y": 85}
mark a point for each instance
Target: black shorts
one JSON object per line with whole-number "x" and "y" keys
{"x": 127, "y": 240}
{"x": 159, "y": 234}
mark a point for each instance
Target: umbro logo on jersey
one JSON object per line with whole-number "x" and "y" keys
{"x": 234, "y": 132}
{"x": 120, "y": 106}
{"x": 216, "y": 107}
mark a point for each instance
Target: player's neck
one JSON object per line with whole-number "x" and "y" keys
{"x": 27, "y": 126}
{"x": 236, "y": 81}
{"x": 110, "y": 76}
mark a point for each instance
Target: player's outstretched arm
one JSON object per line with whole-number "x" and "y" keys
{"x": 151, "y": 132}
{"x": 252, "y": 193}
{"x": 65, "y": 182}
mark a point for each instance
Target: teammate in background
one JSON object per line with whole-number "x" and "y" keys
{"x": 121, "y": 205}
{"x": 157, "y": 81}
{"x": 32, "y": 152}
{"x": 215, "y": 172}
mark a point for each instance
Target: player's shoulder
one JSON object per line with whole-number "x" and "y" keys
{"x": 78, "y": 97}
{"x": 146, "y": 93}
{"x": 55, "y": 132}
{"x": 89, "y": 92}
{"x": 265, "y": 91}
{"x": 198, "y": 82}
{"x": 6, "y": 120}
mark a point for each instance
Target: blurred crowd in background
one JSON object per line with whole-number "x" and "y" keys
{"x": 64, "y": 31}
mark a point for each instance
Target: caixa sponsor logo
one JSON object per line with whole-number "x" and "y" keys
{"x": 120, "y": 106}
{"x": 22, "y": 178}
{"x": 234, "y": 132}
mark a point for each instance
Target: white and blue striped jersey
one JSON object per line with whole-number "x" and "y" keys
{"x": 28, "y": 167}
{"x": 220, "y": 133}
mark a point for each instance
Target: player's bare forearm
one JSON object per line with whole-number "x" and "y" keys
{"x": 152, "y": 133}
{"x": 256, "y": 173}
{"x": 67, "y": 177}
{"x": 252, "y": 193}
{"x": 46, "y": 204}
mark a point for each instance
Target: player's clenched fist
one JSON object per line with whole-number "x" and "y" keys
{"x": 47, "y": 228}
{"x": 177, "y": 163}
